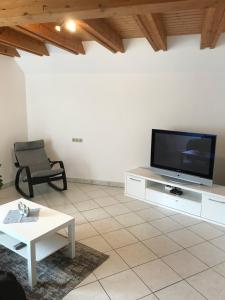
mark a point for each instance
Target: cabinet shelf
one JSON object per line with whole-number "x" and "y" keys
{"x": 188, "y": 195}
{"x": 44, "y": 248}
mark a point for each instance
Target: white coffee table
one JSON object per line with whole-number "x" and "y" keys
{"x": 41, "y": 237}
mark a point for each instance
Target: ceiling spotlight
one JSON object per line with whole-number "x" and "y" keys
{"x": 71, "y": 25}
{"x": 58, "y": 28}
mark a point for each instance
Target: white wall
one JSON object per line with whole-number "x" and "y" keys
{"x": 13, "y": 119}
{"x": 113, "y": 102}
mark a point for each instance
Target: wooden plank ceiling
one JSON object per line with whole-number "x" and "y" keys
{"x": 30, "y": 24}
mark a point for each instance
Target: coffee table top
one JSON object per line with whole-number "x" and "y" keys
{"x": 49, "y": 221}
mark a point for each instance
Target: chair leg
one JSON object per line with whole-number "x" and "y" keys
{"x": 64, "y": 181}
{"x": 20, "y": 191}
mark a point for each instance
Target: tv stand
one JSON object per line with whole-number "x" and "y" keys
{"x": 207, "y": 203}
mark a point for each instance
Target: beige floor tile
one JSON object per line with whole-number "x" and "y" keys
{"x": 184, "y": 263}
{"x": 185, "y": 220}
{"x": 125, "y": 285}
{"x": 144, "y": 231}
{"x": 166, "y": 211}
{"x": 179, "y": 291}
{"x": 9, "y": 194}
{"x": 96, "y": 193}
{"x": 137, "y": 205}
{"x": 185, "y": 238}
{"x": 95, "y": 214}
{"x": 106, "y": 225}
{"x": 210, "y": 284}
{"x": 114, "y": 264}
{"x": 79, "y": 218}
{"x": 219, "y": 242}
{"x": 113, "y": 191}
{"x": 149, "y": 297}
{"x": 129, "y": 219}
{"x": 162, "y": 245}
{"x": 76, "y": 196}
{"x": 119, "y": 238}
{"x": 40, "y": 200}
{"x": 106, "y": 201}
{"x": 156, "y": 274}
{"x": 66, "y": 210}
{"x": 123, "y": 198}
{"x": 89, "y": 187}
{"x": 166, "y": 225}
{"x": 220, "y": 269}
{"x": 208, "y": 253}
{"x": 98, "y": 243}
{"x": 150, "y": 214}
{"x": 91, "y": 291}
{"x": 136, "y": 254}
{"x": 91, "y": 278}
{"x": 84, "y": 231}
{"x": 57, "y": 200}
{"x": 219, "y": 227}
{"x": 206, "y": 230}
{"x": 117, "y": 209}
{"x": 86, "y": 205}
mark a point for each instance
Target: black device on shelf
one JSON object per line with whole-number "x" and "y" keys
{"x": 176, "y": 191}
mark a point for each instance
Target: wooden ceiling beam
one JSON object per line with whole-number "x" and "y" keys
{"x": 47, "y": 33}
{"x": 212, "y": 27}
{"x": 39, "y": 11}
{"x": 12, "y": 38}
{"x": 153, "y": 30}
{"x": 8, "y": 51}
{"x": 103, "y": 34}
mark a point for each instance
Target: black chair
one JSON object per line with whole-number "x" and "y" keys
{"x": 35, "y": 167}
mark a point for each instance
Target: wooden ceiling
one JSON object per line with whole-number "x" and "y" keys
{"x": 30, "y": 24}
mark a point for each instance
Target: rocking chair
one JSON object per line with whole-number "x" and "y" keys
{"x": 32, "y": 159}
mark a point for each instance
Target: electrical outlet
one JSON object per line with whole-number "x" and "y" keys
{"x": 77, "y": 140}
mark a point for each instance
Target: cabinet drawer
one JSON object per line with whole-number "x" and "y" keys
{"x": 213, "y": 208}
{"x": 135, "y": 186}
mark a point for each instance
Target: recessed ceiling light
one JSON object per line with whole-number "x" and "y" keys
{"x": 58, "y": 28}
{"x": 71, "y": 25}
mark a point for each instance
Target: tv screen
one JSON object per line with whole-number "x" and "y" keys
{"x": 183, "y": 152}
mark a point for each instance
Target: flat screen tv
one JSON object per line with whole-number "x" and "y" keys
{"x": 184, "y": 155}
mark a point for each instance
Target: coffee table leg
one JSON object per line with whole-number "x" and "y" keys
{"x": 71, "y": 237}
{"x": 31, "y": 263}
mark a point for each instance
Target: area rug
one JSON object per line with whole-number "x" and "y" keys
{"x": 57, "y": 275}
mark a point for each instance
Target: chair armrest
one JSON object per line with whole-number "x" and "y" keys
{"x": 27, "y": 170}
{"x": 60, "y": 162}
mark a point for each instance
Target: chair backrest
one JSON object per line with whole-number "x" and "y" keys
{"x": 32, "y": 154}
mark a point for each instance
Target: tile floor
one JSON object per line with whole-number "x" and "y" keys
{"x": 154, "y": 253}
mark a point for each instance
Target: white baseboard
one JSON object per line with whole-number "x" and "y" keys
{"x": 97, "y": 182}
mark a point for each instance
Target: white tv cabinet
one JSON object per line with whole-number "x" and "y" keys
{"x": 207, "y": 203}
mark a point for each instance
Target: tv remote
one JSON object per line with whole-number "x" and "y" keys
{"x": 19, "y": 246}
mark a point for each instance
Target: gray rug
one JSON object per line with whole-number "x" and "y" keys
{"x": 57, "y": 275}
